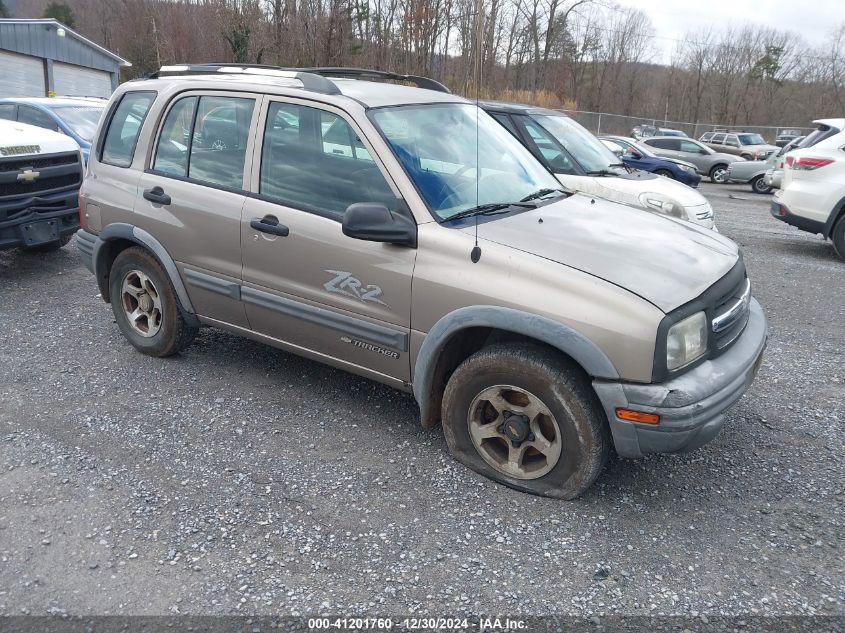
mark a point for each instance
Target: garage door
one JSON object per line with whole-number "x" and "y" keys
{"x": 78, "y": 81}
{"x": 21, "y": 76}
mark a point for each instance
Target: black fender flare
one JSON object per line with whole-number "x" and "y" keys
{"x": 562, "y": 337}
{"x": 130, "y": 232}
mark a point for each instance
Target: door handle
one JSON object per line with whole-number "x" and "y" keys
{"x": 157, "y": 195}
{"x": 269, "y": 224}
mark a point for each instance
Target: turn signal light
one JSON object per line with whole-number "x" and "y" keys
{"x": 637, "y": 416}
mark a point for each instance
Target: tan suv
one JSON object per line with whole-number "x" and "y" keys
{"x": 400, "y": 233}
{"x": 743, "y": 144}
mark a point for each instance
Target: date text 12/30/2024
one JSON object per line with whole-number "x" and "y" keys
{"x": 417, "y": 624}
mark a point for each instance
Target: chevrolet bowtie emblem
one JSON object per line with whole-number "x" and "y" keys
{"x": 28, "y": 176}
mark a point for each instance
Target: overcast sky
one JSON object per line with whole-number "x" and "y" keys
{"x": 813, "y": 20}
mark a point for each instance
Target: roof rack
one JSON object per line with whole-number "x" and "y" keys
{"x": 310, "y": 81}
{"x": 365, "y": 73}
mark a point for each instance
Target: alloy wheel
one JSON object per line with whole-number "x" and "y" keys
{"x": 514, "y": 432}
{"x": 141, "y": 303}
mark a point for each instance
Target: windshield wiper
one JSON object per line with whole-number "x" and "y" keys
{"x": 542, "y": 193}
{"x": 493, "y": 208}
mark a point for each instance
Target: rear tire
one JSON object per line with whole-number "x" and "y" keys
{"x": 837, "y": 236}
{"x": 145, "y": 305}
{"x": 758, "y": 185}
{"x": 541, "y": 398}
{"x": 719, "y": 174}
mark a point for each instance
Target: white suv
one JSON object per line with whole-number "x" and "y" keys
{"x": 812, "y": 197}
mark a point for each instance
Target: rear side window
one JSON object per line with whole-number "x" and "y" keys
{"x": 172, "y": 151}
{"x": 665, "y": 143}
{"x": 706, "y": 137}
{"x": 718, "y": 138}
{"x": 218, "y": 142}
{"x": 124, "y": 128}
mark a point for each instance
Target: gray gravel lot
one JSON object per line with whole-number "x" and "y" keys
{"x": 240, "y": 479}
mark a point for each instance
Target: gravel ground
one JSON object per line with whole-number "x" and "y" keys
{"x": 240, "y": 479}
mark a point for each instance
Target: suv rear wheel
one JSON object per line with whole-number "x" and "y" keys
{"x": 145, "y": 305}
{"x": 525, "y": 417}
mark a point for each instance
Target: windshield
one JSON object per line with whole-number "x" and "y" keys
{"x": 82, "y": 120}
{"x": 750, "y": 139}
{"x": 591, "y": 154}
{"x": 459, "y": 157}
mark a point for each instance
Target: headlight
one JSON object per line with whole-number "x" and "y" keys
{"x": 686, "y": 341}
{"x": 663, "y": 204}
{"x": 687, "y": 168}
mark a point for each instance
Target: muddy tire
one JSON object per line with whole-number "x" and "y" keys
{"x": 145, "y": 305}
{"x": 527, "y": 417}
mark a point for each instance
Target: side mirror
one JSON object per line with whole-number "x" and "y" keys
{"x": 373, "y": 222}
{"x": 634, "y": 154}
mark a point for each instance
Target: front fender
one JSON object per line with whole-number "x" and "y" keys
{"x": 572, "y": 343}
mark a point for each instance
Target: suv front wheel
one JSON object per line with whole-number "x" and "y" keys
{"x": 145, "y": 305}
{"x": 522, "y": 415}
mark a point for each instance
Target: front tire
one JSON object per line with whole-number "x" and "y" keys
{"x": 665, "y": 173}
{"x": 145, "y": 305}
{"x": 837, "y": 236}
{"x": 758, "y": 185}
{"x": 719, "y": 174}
{"x": 528, "y": 418}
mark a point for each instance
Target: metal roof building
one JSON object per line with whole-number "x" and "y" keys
{"x": 43, "y": 57}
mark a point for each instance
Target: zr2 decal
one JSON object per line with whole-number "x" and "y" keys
{"x": 345, "y": 284}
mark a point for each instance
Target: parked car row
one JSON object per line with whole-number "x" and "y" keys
{"x": 544, "y": 299}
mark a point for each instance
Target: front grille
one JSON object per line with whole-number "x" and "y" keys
{"x": 730, "y": 315}
{"x": 28, "y": 176}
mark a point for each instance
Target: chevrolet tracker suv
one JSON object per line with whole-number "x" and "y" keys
{"x": 402, "y": 234}
{"x": 40, "y": 174}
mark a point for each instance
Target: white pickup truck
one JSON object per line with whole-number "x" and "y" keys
{"x": 40, "y": 175}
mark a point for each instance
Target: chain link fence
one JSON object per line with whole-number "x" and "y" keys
{"x": 620, "y": 125}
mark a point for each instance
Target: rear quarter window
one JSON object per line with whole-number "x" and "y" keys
{"x": 124, "y": 128}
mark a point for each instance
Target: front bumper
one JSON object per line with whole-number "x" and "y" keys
{"x": 691, "y": 407}
{"x": 13, "y": 233}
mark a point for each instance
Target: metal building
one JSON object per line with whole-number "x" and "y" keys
{"x": 40, "y": 58}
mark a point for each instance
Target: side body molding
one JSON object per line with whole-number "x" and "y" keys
{"x": 576, "y": 345}
{"x": 122, "y": 230}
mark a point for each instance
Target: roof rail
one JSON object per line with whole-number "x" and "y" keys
{"x": 310, "y": 81}
{"x": 365, "y": 73}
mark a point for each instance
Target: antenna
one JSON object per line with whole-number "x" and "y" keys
{"x": 475, "y": 253}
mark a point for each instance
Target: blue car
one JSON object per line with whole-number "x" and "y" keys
{"x": 638, "y": 156}
{"x": 77, "y": 117}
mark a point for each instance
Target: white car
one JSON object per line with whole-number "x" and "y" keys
{"x": 812, "y": 196}
{"x": 581, "y": 162}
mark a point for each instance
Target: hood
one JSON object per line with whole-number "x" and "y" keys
{"x": 665, "y": 261}
{"x": 20, "y": 139}
{"x": 627, "y": 190}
